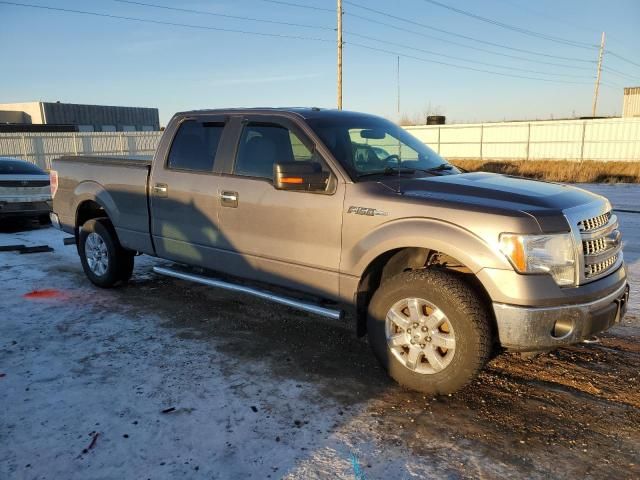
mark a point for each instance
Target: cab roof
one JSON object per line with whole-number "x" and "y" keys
{"x": 303, "y": 112}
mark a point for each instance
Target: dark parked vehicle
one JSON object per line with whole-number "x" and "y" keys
{"x": 332, "y": 211}
{"x": 25, "y": 190}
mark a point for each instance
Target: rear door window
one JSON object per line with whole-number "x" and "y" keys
{"x": 195, "y": 145}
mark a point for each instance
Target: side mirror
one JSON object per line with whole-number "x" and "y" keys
{"x": 301, "y": 175}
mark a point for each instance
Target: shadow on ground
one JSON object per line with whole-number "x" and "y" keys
{"x": 576, "y": 410}
{"x": 15, "y": 225}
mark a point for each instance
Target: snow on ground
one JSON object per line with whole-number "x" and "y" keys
{"x": 85, "y": 362}
{"x": 263, "y": 391}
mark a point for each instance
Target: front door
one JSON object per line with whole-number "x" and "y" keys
{"x": 289, "y": 238}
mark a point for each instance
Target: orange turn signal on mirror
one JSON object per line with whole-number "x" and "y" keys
{"x": 297, "y": 180}
{"x": 513, "y": 247}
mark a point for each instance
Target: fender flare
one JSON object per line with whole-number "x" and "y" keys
{"x": 453, "y": 240}
{"x": 93, "y": 191}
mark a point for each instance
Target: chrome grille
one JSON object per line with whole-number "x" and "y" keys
{"x": 601, "y": 245}
{"x": 596, "y": 269}
{"x": 594, "y": 246}
{"x": 594, "y": 223}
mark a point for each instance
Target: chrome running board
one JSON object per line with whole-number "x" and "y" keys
{"x": 282, "y": 300}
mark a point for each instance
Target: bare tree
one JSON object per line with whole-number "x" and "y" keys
{"x": 420, "y": 118}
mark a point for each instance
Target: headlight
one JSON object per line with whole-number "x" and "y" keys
{"x": 552, "y": 254}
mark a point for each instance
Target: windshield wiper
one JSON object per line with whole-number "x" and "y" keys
{"x": 441, "y": 167}
{"x": 389, "y": 171}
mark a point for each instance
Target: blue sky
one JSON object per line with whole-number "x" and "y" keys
{"x": 50, "y": 55}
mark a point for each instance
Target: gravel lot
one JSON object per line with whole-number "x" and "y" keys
{"x": 163, "y": 379}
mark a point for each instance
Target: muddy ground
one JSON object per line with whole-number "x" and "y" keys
{"x": 264, "y": 391}
{"x": 574, "y": 413}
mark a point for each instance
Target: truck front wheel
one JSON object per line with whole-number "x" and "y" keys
{"x": 430, "y": 330}
{"x": 103, "y": 259}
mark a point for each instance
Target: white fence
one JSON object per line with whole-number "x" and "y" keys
{"x": 607, "y": 140}
{"x": 604, "y": 139}
{"x": 41, "y": 148}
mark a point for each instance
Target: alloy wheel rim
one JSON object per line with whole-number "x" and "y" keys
{"x": 97, "y": 254}
{"x": 420, "y": 336}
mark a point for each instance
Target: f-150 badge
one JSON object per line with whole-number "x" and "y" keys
{"x": 366, "y": 211}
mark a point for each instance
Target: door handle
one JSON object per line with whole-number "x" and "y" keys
{"x": 160, "y": 190}
{"x": 229, "y": 199}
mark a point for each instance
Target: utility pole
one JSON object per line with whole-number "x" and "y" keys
{"x": 339, "y": 54}
{"x": 398, "y": 86}
{"x": 597, "y": 89}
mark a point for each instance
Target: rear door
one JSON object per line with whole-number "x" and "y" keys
{"x": 288, "y": 238}
{"x": 183, "y": 192}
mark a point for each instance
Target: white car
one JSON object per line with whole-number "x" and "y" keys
{"x": 25, "y": 190}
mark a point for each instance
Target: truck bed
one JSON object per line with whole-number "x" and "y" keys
{"x": 119, "y": 185}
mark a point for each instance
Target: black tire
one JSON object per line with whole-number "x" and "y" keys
{"x": 119, "y": 262}
{"x": 126, "y": 267}
{"x": 466, "y": 314}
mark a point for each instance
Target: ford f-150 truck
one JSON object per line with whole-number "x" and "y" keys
{"x": 332, "y": 212}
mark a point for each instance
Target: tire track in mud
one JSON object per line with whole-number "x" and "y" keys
{"x": 574, "y": 412}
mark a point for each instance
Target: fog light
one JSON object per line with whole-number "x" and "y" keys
{"x": 562, "y": 328}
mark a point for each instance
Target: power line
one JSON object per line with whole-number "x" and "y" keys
{"x": 263, "y": 34}
{"x": 299, "y": 5}
{"x": 623, "y": 58}
{"x": 480, "y": 49}
{"x": 554, "y": 18}
{"x": 224, "y": 15}
{"x": 619, "y": 73}
{"x": 514, "y": 28}
{"x": 448, "y": 32}
{"x": 203, "y": 12}
{"x": 160, "y": 22}
{"x": 462, "y": 67}
{"x": 430, "y": 52}
{"x": 615, "y": 86}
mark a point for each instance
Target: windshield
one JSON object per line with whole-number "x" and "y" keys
{"x": 367, "y": 145}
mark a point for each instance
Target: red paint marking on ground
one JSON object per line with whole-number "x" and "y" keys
{"x": 46, "y": 294}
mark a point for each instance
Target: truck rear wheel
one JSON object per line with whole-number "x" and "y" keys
{"x": 103, "y": 259}
{"x": 430, "y": 330}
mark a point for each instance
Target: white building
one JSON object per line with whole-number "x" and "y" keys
{"x": 631, "y": 102}
{"x": 86, "y": 118}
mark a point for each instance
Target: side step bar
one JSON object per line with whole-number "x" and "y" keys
{"x": 290, "y": 302}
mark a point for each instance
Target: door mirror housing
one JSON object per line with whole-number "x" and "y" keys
{"x": 301, "y": 175}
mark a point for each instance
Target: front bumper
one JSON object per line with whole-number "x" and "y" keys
{"x": 544, "y": 328}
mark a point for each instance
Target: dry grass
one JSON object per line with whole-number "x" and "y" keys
{"x": 559, "y": 170}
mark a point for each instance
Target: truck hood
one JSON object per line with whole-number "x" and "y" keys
{"x": 545, "y": 201}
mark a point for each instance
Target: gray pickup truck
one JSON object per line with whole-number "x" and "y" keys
{"x": 332, "y": 212}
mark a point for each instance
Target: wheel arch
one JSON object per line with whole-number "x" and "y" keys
{"x": 93, "y": 201}
{"x": 432, "y": 234}
{"x": 430, "y": 244}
